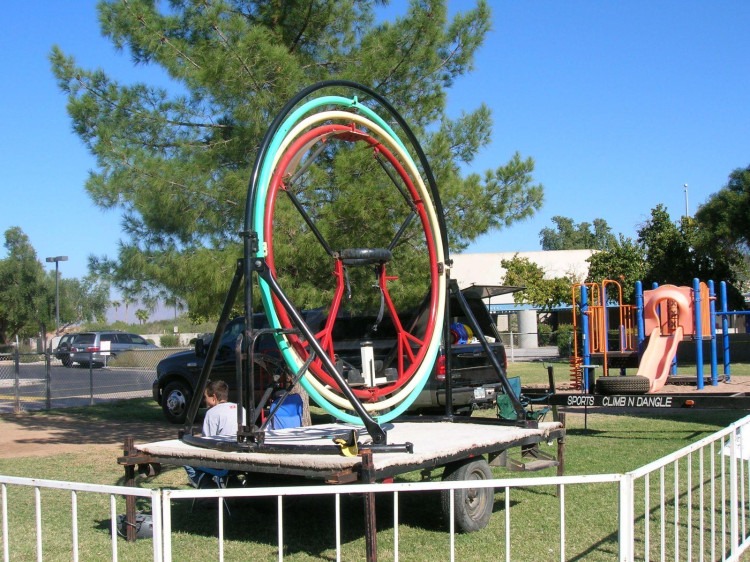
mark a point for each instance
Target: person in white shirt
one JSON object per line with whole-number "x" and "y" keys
{"x": 220, "y": 421}
{"x": 221, "y": 417}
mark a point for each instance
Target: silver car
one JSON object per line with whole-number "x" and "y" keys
{"x": 100, "y": 347}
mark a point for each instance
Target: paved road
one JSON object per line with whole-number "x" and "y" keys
{"x": 73, "y": 386}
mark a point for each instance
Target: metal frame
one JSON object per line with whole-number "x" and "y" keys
{"x": 257, "y": 265}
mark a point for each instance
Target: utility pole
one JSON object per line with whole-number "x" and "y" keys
{"x": 57, "y": 260}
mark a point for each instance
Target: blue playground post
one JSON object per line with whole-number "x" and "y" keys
{"x": 725, "y": 328}
{"x": 698, "y": 333}
{"x": 585, "y": 337}
{"x": 712, "y": 319}
{"x": 640, "y": 323}
{"x": 725, "y": 314}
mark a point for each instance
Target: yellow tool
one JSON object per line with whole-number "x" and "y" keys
{"x": 348, "y": 446}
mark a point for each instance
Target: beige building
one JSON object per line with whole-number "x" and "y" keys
{"x": 485, "y": 269}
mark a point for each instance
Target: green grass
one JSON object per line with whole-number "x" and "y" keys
{"x": 607, "y": 443}
{"x": 142, "y": 409}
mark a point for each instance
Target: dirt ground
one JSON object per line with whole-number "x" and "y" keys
{"x": 688, "y": 386}
{"x": 26, "y": 435}
{"x": 38, "y": 436}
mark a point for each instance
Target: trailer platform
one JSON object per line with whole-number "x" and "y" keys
{"x": 434, "y": 444}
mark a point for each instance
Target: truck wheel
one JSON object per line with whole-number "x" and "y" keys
{"x": 175, "y": 401}
{"x": 631, "y": 384}
{"x": 472, "y": 506}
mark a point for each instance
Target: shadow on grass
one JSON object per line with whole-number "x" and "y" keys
{"x": 100, "y": 424}
{"x": 309, "y": 523}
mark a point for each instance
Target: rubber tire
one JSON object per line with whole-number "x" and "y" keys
{"x": 366, "y": 256}
{"x": 175, "y": 401}
{"x": 67, "y": 362}
{"x": 632, "y": 384}
{"x": 473, "y": 507}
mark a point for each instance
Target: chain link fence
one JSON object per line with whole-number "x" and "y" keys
{"x": 40, "y": 381}
{"x": 542, "y": 347}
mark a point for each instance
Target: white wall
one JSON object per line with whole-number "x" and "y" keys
{"x": 485, "y": 269}
{"x": 184, "y": 338}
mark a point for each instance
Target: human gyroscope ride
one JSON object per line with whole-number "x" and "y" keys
{"x": 310, "y": 228}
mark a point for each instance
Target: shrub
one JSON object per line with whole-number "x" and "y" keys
{"x": 565, "y": 340}
{"x": 544, "y": 334}
{"x": 170, "y": 340}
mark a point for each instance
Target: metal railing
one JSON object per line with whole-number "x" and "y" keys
{"x": 20, "y": 549}
{"x": 690, "y": 505}
{"x": 695, "y": 499}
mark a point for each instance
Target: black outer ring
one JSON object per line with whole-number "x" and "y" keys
{"x": 263, "y": 149}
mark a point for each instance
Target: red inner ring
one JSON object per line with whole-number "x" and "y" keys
{"x": 407, "y": 359}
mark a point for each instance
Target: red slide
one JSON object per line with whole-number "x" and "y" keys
{"x": 657, "y": 359}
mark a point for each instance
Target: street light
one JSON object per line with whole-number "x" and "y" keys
{"x": 57, "y": 260}
{"x": 687, "y": 214}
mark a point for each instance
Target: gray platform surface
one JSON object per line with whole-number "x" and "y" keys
{"x": 435, "y": 443}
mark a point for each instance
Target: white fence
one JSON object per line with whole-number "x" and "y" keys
{"x": 12, "y": 545}
{"x": 691, "y": 505}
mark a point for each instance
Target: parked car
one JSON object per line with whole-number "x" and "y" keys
{"x": 475, "y": 383}
{"x": 178, "y": 374}
{"x": 99, "y": 347}
{"x": 62, "y": 351}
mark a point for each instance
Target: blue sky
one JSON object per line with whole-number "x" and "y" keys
{"x": 619, "y": 103}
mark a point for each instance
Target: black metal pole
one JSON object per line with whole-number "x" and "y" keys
{"x": 371, "y": 527}
{"x": 208, "y": 364}
{"x": 447, "y": 345}
{"x": 520, "y": 412}
{"x": 376, "y": 432}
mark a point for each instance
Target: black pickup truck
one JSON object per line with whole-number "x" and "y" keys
{"x": 475, "y": 381}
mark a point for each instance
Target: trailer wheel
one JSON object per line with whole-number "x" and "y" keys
{"x": 472, "y": 506}
{"x": 632, "y": 384}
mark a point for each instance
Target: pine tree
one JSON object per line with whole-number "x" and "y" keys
{"x": 176, "y": 159}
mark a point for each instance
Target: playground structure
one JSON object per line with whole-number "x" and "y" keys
{"x": 648, "y": 334}
{"x": 594, "y": 304}
{"x": 669, "y": 314}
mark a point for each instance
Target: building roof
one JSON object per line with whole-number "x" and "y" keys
{"x": 489, "y": 291}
